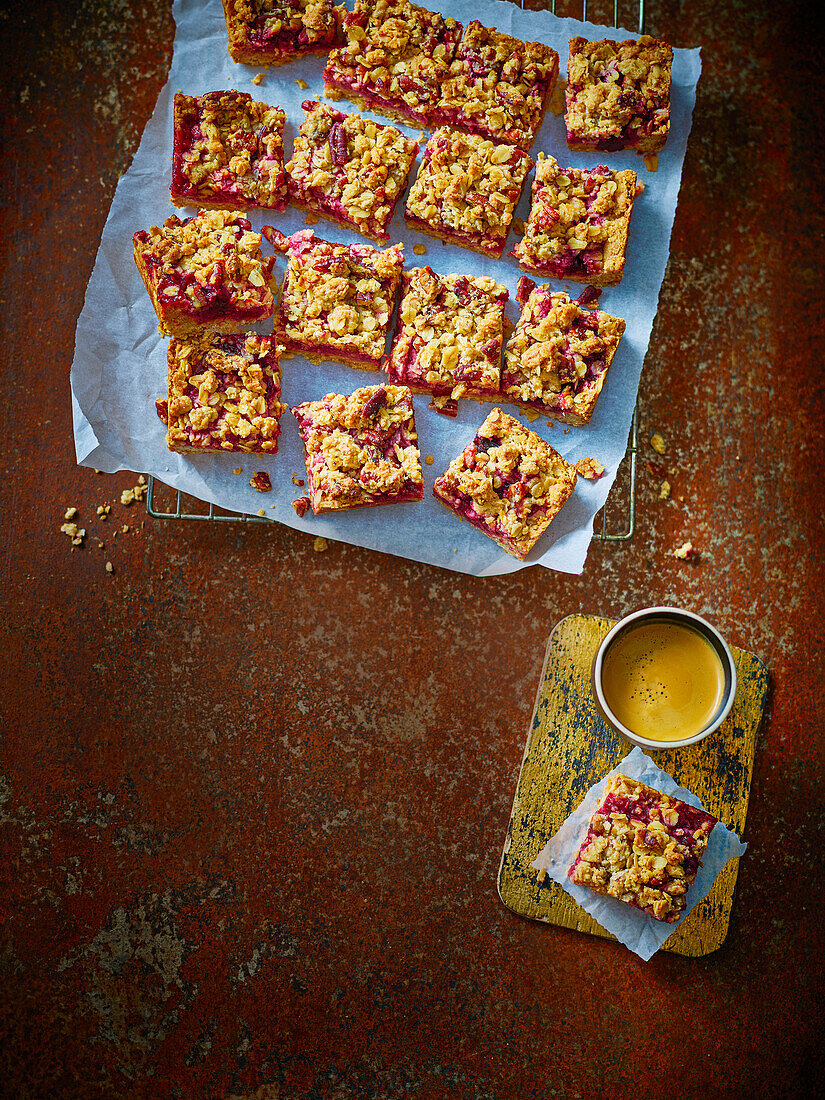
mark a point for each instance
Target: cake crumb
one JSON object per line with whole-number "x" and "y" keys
{"x": 75, "y": 533}
{"x": 261, "y": 482}
{"x": 686, "y": 552}
{"x": 261, "y": 512}
{"x": 589, "y": 468}
{"x": 531, "y": 415}
{"x": 257, "y": 79}
{"x": 310, "y": 219}
{"x": 162, "y": 409}
{"x": 557, "y": 104}
{"x": 657, "y": 443}
{"x": 664, "y": 490}
{"x": 297, "y": 480}
{"x": 238, "y": 470}
{"x": 320, "y": 544}
{"x": 129, "y": 496}
{"x": 70, "y": 513}
{"x": 103, "y": 510}
{"x": 518, "y": 226}
{"x": 302, "y": 84}
{"x": 651, "y": 161}
{"x": 125, "y": 528}
{"x": 640, "y": 189}
{"x": 429, "y": 460}
{"x": 420, "y": 249}
{"x": 109, "y": 567}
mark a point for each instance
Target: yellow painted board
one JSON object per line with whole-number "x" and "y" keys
{"x": 569, "y": 748}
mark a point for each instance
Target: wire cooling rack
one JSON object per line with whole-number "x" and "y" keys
{"x": 617, "y": 520}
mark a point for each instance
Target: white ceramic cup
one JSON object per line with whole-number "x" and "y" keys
{"x": 685, "y": 618}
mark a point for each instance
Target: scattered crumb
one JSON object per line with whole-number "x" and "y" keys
{"x": 566, "y": 430}
{"x": 302, "y": 84}
{"x": 589, "y": 468}
{"x": 103, "y": 510}
{"x": 141, "y": 480}
{"x": 686, "y": 552}
{"x": 651, "y": 161}
{"x": 70, "y": 513}
{"x": 518, "y": 226}
{"x": 261, "y": 512}
{"x": 420, "y": 249}
{"x": 656, "y": 469}
{"x": 297, "y": 480}
{"x": 238, "y": 470}
{"x": 429, "y": 460}
{"x": 531, "y": 415}
{"x": 422, "y": 135}
{"x": 75, "y": 533}
{"x": 257, "y": 79}
{"x": 664, "y": 490}
{"x": 300, "y": 506}
{"x": 100, "y": 545}
{"x": 129, "y": 496}
{"x": 640, "y": 187}
{"x": 310, "y": 219}
{"x": 162, "y": 409}
{"x": 261, "y": 482}
{"x": 657, "y": 443}
{"x": 556, "y": 104}
{"x": 320, "y": 544}
{"x": 109, "y": 567}
{"x": 124, "y": 529}
{"x": 455, "y": 549}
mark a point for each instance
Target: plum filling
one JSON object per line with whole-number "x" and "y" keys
{"x": 491, "y": 244}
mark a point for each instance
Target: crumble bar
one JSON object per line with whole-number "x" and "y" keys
{"x": 338, "y": 299}
{"x": 228, "y": 152}
{"x": 618, "y": 94}
{"x": 361, "y": 448}
{"x": 449, "y": 334}
{"x": 224, "y": 394}
{"x": 498, "y": 86}
{"x": 508, "y": 483}
{"x": 396, "y": 59}
{"x": 466, "y": 191}
{"x": 348, "y": 169}
{"x": 272, "y": 32}
{"x": 579, "y": 222}
{"x": 557, "y": 359}
{"x": 643, "y": 848}
{"x": 205, "y": 272}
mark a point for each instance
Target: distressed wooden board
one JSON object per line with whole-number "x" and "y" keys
{"x": 569, "y": 748}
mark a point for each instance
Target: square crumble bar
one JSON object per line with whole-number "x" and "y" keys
{"x": 579, "y": 223}
{"x": 449, "y": 334}
{"x": 228, "y": 152}
{"x": 396, "y": 59}
{"x": 643, "y": 848}
{"x": 205, "y": 272}
{"x": 224, "y": 394}
{"x": 273, "y": 32}
{"x": 466, "y": 191}
{"x": 498, "y": 86}
{"x": 618, "y": 94}
{"x": 361, "y": 449}
{"x": 337, "y": 300}
{"x": 508, "y": 483}
{"x": 348, "y": 169}
{"x": 557, "y": 359}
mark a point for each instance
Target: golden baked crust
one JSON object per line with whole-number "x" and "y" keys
{"x": 508, "y": 483}
{"x": 643, "y": 848}
{"x": 396, "y": 58}
{"x": 466, "y": 190}
{"x": 338, "y": 299}
{"x": 449, "y": 334}
{"x": 618, "y": 94}
{"x": 579, "y": 222}
{"x": 361, "y": 448}
{"x": 558, "y": 357}
{"x": 228, "y": 152}
{"x": 348, "y": 169}
{"x": 205, "y": 272}
{"x": 273, "y": 32}
{"x": 498, "y": 86}
{"x": 224, "y": 394}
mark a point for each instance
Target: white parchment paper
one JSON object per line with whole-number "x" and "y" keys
{"x": 636, "y": 930}
{"x": 120, "y": 359}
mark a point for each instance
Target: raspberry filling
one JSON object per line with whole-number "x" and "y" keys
{"x": 491, "y": 244}
{"x": 287, "y": 39}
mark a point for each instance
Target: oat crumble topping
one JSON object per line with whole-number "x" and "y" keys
{"x": 557, "y": 359}
{"x": 349, "y": 169}
{"x": 467, "y": 189}
{"x": 224, "y": 394}
{"x": 508, "y": 482}
{"x": 361, "y": 448}
{"x": 657, "y": 443}
{"x": 578, "y": 225}
{"x": 276, "y": 31}
{"x": 449, "y": 334}
{"x": 618, "y": 94}
{"x": 228, "y": 152}
{"x": 498, "y": 86}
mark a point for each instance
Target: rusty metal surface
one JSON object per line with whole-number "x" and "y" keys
{"x": 254, "y": 795}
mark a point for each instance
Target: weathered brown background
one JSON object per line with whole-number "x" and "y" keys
{"x": 254, "y": 795}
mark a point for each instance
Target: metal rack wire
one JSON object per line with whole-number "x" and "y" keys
{"x": 165, "y": 503}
